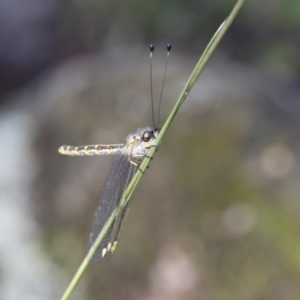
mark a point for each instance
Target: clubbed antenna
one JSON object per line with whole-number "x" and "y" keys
{"x": 169, "y": 47}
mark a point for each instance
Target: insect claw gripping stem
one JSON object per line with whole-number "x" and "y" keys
{"x": 149, "y": 157}
{"x": 153, "y": 146}
{"x": 143, "y": 172}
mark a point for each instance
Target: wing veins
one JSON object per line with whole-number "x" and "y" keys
{"x": 120, "y": 174}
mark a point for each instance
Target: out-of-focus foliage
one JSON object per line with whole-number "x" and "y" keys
{"x": 217, "y": 214}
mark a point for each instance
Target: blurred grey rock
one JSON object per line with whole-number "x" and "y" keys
{"x": 27, "y": 38}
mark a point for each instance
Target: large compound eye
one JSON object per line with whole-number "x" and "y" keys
{"x": 147, "y": 136}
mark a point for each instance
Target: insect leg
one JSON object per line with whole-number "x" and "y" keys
{"x": 135, "y": 163}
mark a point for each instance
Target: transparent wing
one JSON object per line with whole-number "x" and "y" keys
{"x": 119, "y": 176}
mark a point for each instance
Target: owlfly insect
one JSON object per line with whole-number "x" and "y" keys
{"x": 128, "y": 157}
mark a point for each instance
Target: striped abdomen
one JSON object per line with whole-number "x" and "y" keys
{"x": 90, "y": 149}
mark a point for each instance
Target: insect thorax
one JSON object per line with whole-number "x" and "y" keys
{"x": 141, "y": 141}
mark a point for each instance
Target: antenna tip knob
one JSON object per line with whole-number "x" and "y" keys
{"x": 151, "y": 47}
{"x": 169, "y": 47}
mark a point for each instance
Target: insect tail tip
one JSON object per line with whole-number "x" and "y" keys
{"x": 104, "y": 250}
{"x": 113, "y": 247}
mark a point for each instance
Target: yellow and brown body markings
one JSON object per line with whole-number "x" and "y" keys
{"x": 90, "y": 149}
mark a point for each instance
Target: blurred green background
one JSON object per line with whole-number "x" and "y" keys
{"x": 216, "y": 216}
